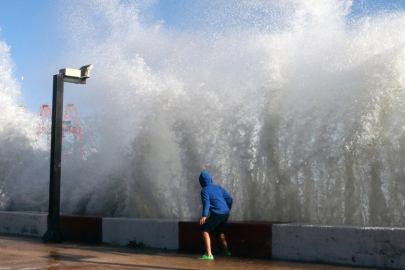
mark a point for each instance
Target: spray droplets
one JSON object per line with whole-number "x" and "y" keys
{"x": 292, "y": 106}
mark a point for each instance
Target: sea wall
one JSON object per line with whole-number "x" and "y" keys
{"x": 23, "y": 223}
{"x": 346, "y": 245}
{"x": 141, "y": 232}
{"x": 247, "y": 239}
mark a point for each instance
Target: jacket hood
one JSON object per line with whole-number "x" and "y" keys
{"x": 205, "y": 179}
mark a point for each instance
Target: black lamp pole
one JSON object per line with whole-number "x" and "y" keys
{"x": 53, "y": 234}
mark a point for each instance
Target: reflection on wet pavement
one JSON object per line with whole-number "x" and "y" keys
{"x": 29, "y": 253}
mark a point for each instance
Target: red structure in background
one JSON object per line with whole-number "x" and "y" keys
{"x": 45, "y": 113}
{"x": 71, "y": 121}
{"x": 45, "y": 124}
{"x": 71, "y": 124}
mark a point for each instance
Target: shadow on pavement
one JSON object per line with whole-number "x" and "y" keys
{"x": 85, "y": 259}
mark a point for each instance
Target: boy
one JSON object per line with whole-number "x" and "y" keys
{"x": 218, "y": 202}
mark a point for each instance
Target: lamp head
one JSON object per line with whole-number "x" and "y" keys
{"x": 85, "y": 71}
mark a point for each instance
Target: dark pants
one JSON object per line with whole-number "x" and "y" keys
{"x": 216, "y": 223}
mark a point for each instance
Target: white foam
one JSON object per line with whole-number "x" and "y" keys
{"x": 298, "y": 114}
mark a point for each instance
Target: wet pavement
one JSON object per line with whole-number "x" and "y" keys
{"x": 29, "y": 253}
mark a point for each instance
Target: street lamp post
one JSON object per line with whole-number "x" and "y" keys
{"x": 78, "y": 76}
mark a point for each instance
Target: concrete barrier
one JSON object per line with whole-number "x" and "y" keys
{"x": 86, "y": 229}
{"x": 348, "y": 245}
{"x": 247, "y": 239}
{"x": 154, "y": 233}
{"x": 23, "y": 223}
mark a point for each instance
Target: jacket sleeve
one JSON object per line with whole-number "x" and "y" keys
{"x": 228, "y": 198}
{"x": 205, "y": 198}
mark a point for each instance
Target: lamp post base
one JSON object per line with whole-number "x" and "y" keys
{"x": 52, "y": 236}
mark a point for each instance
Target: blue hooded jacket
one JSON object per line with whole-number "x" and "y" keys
{"x": 214, "y": 198}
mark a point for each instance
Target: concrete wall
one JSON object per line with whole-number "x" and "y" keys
{"x": 348, "y": 245}
{"x": 23, "y": 223}
{"x": 76, "y": 228}
{"x": 141, "y": 232}
{"x": 247, "y": 239}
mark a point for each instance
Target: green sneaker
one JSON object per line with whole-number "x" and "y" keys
{"x": 228, "y": 254}
{"x": 205, "y": 257}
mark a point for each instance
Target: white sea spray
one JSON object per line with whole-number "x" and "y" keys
{"x": 294, "y": 107}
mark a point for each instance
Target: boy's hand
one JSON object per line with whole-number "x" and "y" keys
{"x": 202, "y": 220}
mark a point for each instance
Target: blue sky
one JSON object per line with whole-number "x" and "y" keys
{"x": 31, "y": 29}
{"x": 26, "y": 26}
